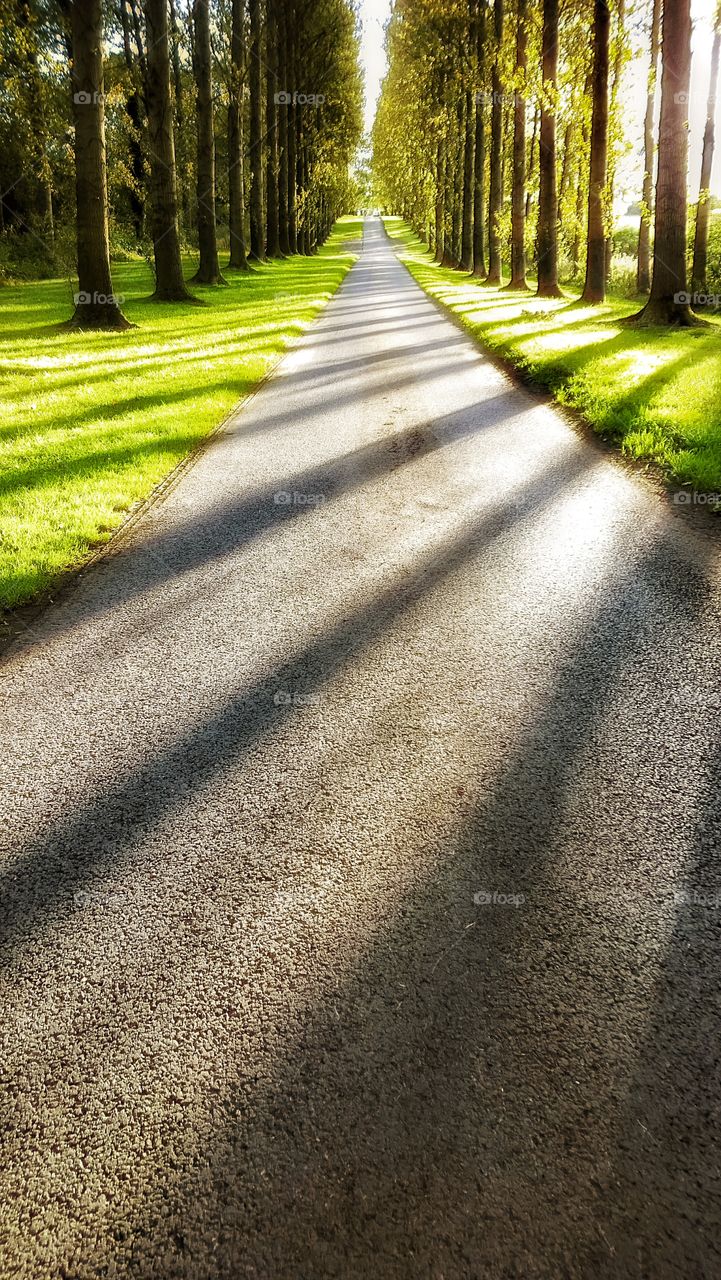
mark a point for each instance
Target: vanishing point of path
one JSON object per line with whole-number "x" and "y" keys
{"x": 360, "y": 892}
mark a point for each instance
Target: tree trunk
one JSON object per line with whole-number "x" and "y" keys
{"x": 132, "y": 107}
{"x": 595, "y": 287}
{"x": 518, "y": 193}
{"x": 439, "y": 236}
{"x": 208, "y": 269}
{"x": 548, "y": 195}
{"x": 532, "y": 158}
{"x": 643, "y": 272}
{"x": 96, "y": 306}
{"x": 169, "y": 282}
{"x": 236, "y": 160}
{"x": 283, "y": 229}
{"x": 612, "y": 148}
{"x": 467, "y": 219}
{"x": 495, "y": 197}
{"x": 668, "y": 302}
{"x": 700, "y": 244}
{"x": 457, "y": 184}
{"x": 257, "y": 221}
{"x": 271, "y": 132}
{"x": 479, "y": 162}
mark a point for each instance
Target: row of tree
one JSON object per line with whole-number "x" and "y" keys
{"x": 499, "y": 131}
{"x": 238, "y": 113}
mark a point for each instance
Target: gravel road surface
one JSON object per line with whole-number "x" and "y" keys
{"x": 360, "y": 907}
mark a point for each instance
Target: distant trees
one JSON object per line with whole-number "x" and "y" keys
{"x": 254, "y": 104}
{"x": 544, "y": 83}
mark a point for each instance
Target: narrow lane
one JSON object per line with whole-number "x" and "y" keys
{"x": 360, "y": 899}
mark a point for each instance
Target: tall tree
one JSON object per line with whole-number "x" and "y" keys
{"x": 96, "y": 306}
{"x": 169, "y": 282}
{"x": 466, "y": 262}
{"x": 595, "y": 287}
{"x": 495, "y": 197}
{"x": 643, "y": 272}
{"x": 479, "y": 159}
{"x": 518, "y": 190}
{"x": 208, "y": 268}
{"x": 236, "y": 160}
{"x": 668, "y": 301}
{"x": 134, "y": 109}
{"x": 271, "y": 130}
{"x": 257, "y": 220}
{"x": 547, "y": 194}
{"x": 700, "y": 244}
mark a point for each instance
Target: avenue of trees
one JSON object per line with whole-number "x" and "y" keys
{"x": 498, "y": 134}
{"x": 221, "y": 126}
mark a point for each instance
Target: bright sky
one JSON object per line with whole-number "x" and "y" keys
{"x": 375, "y": 13}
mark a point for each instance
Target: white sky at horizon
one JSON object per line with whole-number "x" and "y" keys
{"x": 375, "y": 13}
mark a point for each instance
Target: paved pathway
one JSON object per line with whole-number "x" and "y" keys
{"x": 360, "y": 900}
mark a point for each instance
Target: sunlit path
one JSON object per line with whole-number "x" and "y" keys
{"x": 360, "y": 890}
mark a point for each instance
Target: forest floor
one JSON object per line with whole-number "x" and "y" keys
{"x": 91, "y": 423}
{"x": 656, "y": 393}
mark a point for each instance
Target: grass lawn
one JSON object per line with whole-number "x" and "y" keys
{"x": 657, "y": 393}
{"x": 90, "y": 423}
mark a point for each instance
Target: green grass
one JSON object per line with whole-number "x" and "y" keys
{"x": 90, "y": 423}
{"x": 654, "y": 392}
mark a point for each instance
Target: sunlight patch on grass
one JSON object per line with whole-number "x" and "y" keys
{"x": 90, "y": 423}
{"x": 657, "y": 392}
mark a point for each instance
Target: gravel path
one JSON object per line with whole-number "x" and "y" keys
{"x": 360, "y": 910}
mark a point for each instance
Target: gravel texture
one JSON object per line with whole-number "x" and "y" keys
{"x": 361, "y": 907}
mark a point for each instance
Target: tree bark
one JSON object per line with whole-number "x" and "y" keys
{"x": 283, "y": 228}
{"x": 700, "y": 244}
{"x": 548, "y": 194}
{"x": 208, "y": 269}
{"x": 518, "y": 192}
{"x": 668, "y": 302}
{"x": 595, "y": 287}
{"x": 479, "y": 160}
{"x": 495, "y": 196}
{"x": 236, "y": 160}
{"x": 467, "y": 219}
{"x": 96, "y": 306}
{"x": 440, "y": 231}
{"x": 643, "y": 271}
{"x": 257, "y": 220}
{"x": 169, "y": 282}
{"x": 132, "y": 107}
{"x": 457, "y": 184}
{"x": 271, "y": 129}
